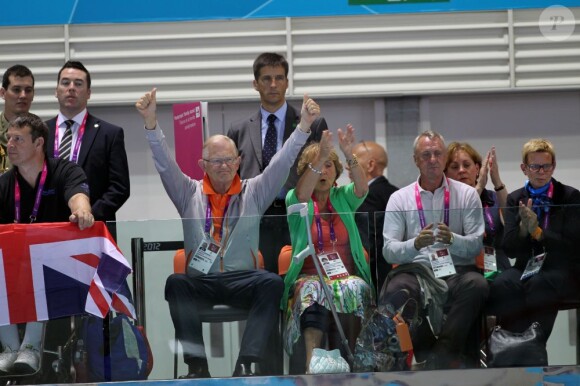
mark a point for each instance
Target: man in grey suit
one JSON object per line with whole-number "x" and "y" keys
{"x": 250, "y": 136}
{"x": 256, "y": 145}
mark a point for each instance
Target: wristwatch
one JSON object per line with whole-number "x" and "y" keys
{"x": 451, "y": 239}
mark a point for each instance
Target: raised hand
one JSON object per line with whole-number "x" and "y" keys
{"x": 308, "y": 180}
{"x": 483, "y": 172}
{"x": 309, "y": 113}
{"x": 147, "y": 107}
{"x": 494, "y": 168}
{"x": 325, "y": 145}
{"x": 346, "y": 140}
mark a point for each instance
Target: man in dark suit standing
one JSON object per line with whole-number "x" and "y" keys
{"x": 258, "y": 138}
{"x": 97, "y": 146}
{"x": 373, "y": 159}
{"x": 257, "y": 145}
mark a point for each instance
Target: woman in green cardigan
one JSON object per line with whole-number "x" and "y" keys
{"x": 337, "y": 242}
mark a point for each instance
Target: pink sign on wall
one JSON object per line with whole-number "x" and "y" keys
{"x": 189, "y": 127}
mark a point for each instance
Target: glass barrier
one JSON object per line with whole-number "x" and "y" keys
{"x": 150, "y": 248}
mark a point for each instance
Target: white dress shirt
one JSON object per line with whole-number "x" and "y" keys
{"x": 402, "y": 224}
{"x": 280, "y": 123}
{"x": 60, "y": 121}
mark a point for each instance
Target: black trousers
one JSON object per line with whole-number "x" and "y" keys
{"x": 257, "y": 290}
{"x": 520, "y": 303}
{"x": 468, "y": 291}
{"x": 274, "y": 234}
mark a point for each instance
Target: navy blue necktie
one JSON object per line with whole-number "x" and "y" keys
{"x": 270, "y": 142}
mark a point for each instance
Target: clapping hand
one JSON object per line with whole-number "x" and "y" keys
{"x": 489, "y": 168}
{"x": 494, "y": 168}
{"x": 528, "y": 216}
{"x": 483, "y": 172}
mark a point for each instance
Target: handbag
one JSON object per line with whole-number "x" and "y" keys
{"x": 129, "y": 357}
{"x": 327, "y": 362}
{"x": 512, "y": 349}
{"x": 378, "y": 346}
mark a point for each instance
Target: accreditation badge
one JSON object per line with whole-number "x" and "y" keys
{"x": 534, "y": 266}
{"x": 205, "y": 255}
{"x": 441, "y": 262}
{"x": 489, "y": 259}
{"x": 332, "y": 265}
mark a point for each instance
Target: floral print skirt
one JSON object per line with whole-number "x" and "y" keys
{"x": 351, "y": 295}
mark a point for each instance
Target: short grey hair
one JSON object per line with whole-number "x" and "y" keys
{"x": 428, "y": 134}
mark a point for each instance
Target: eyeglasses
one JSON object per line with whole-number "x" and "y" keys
{"x": 220, "y": 161}
{"x": 267, "y": 79}
{"x": 536, "y": 167}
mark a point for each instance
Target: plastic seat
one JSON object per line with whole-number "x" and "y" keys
{"x": 218, "y": 313}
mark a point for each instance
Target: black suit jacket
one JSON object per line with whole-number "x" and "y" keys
{"x": 104, "y": 160}
{"x": 247, "y": 135}
{"x": 560, "y": 239}
{"x": 370, "y": 218}
{"x": 379, "y": 192}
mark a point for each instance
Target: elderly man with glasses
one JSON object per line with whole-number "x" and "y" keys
{"x": 221, "y": 221}
{"x": 542, "y": 224}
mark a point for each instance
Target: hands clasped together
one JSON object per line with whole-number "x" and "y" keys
{"x": 429, "y": 236}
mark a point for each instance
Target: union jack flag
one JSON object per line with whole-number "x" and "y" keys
{"x": 52, "y": 270}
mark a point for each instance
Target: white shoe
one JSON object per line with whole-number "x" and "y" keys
{"x": 28, "y": 361}
{"x": 7, "y": 358}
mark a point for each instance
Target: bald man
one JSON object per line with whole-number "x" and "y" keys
{"x": 230, "y": 209}
{"x": 374, "y": 160}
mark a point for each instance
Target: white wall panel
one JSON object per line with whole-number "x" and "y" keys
{"x": 540, "y": 62}
{"x": 372, "y": 55}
